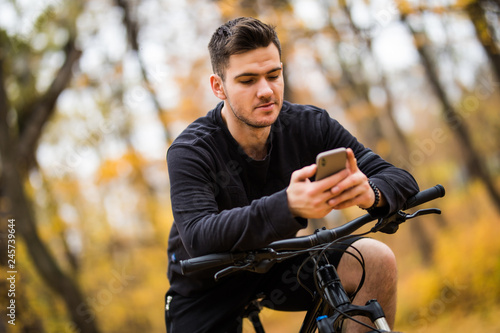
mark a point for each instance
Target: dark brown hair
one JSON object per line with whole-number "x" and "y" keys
{"x": 237, "y": 36}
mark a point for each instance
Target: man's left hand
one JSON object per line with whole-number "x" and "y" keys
{"x": 353, "y": 190}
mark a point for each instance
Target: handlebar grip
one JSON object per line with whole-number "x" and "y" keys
{"x": 424, "y": 196}
{"x": 206, "y": 262}
{"x": 296, "y": 243}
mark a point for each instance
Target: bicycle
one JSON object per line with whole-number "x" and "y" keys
{"x": 331, "y": 303}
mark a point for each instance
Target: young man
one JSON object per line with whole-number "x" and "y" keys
{"x": 240, "y": 179}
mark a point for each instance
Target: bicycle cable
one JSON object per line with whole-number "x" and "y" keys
{"x": 314, "y": 252}
{"x": 360, "y": 260}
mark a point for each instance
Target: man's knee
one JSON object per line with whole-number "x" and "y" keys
{"x": 377, "y": 255}
{"x": 379, "y": 263}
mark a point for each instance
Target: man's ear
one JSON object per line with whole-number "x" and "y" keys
{"x": 217, "y": 86}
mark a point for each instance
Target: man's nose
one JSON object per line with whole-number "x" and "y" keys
{"x": 264, "y": 89}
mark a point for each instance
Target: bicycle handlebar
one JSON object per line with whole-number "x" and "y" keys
{"x": 329, "y": 235}
{"x": 425, "y": 196}
{"x": 209, "y": 261}
{"x": 304, "y": 242}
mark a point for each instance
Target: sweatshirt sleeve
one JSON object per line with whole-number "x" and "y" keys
{"x": 206, "y": 228}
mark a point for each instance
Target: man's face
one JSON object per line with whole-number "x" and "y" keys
{"x": 253, "y": 87}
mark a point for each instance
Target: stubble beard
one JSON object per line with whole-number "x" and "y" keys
{"x": 247, "y": 121}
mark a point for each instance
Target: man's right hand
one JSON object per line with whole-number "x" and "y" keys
{"x": 309, "y": 199}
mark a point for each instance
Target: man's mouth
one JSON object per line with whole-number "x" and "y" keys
{"x": 265, "y": 106}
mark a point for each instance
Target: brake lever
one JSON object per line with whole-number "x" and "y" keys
{"x": 391, "y": 224}
{"x": 426, "y": 211}
{"x": 228, "y": 270}
{"x": 257, "y": 262}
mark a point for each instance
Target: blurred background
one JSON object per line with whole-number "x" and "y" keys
{"x": 93, "y": 92}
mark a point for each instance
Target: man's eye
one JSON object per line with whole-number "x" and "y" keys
{"x": 274, "y": 77}
{"x": 246, "y": 81}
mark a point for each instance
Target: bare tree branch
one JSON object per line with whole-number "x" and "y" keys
{"x": 132, "y": 36}
{"x": 42, "y": 108}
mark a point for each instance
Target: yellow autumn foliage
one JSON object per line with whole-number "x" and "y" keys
{"x": 463, "y": 279}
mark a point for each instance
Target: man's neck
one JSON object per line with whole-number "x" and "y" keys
{"x": 252, "y": 140}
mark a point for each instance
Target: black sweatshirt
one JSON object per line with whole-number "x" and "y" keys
{"x": 222, "y": 200}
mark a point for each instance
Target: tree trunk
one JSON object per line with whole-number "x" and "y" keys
{"x": 455, "y": 121}
{"x": 484, "y": 32}
{"x": 424, "y": 242}
{"x": 19, "y": 207}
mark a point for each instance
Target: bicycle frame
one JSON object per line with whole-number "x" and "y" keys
{"x": 320, "y": 316}
{"x": 328, "y": 316}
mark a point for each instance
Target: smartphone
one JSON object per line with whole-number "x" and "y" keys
{"x": 330, "y": 162}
